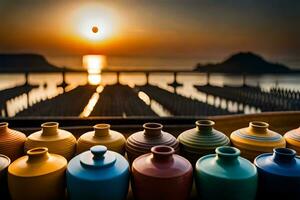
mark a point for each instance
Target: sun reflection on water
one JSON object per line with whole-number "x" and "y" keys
{"x": 94, "y": 65}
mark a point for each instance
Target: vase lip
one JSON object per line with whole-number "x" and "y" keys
{"x": 284, "y": 152}
{"x": 98, "y": 151}
{"x": 204, "y": 123}
{"x": 227, "y": 151}
{"x": 3, "y": 124}
{"x": 162, "y": 150}
{"x": 50, "y": 124}
{"x": 259, "y": 124}
{"x": 102, "y": 126}
{"x": 37, "y": 151}
{"x": 152, "y": 126}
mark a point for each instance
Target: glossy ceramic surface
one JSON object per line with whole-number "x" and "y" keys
{"x": 161, "y": 175}
{"x": 292, "y": 139}
{"x": 11, "y": 142}
{"x": 279, "y": 174}
{"x": 38, "y": 175}
{"x": 256, "y": 139}
{"x": 58, "y": 141}
{"x": 4, "y": 163}
{"x": 98, "y": 174}
{"x": 200, "y": 141}
{"x": 102, "y": 135}
{"x": 225, "y": 175}
{"x": 141, "y": 142}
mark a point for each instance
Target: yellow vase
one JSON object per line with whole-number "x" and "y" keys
{"x": 256, "y": 139}
{"x": 102, "y": 135}
{"x": 293, "y": 140}
{"x": 39, "y": 175}
{"x": 56, "y": 140}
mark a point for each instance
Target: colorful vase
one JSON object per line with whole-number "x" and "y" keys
{"x": 98, "y": 174}
{"x": 39, "y": 175}
{"x": 200, "y": 141}
{"x": 58, "y": 141}
{"x": 225, "y": 175}
{"x": 292, "y": 139}
{"x": 256, "y": 139}
{"x": 102, "y": 135}
{"x": 11, "y": 142}
{"x": 141, "y": 142}
{"x": 161, "y": 175}
{"x": 278, "y": 174}
{"x": 4, "y": 163}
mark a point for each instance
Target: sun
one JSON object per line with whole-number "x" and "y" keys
{"x": 94, "y": 23}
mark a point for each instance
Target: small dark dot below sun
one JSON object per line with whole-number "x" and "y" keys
{"x": 95, "y": 29}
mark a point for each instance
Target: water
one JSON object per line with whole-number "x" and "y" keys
{"x": 48, "y": 87}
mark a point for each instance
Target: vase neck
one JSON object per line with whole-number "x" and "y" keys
{"x": 3, "y": 127}
{"x": 284, "y": 155}
{"x": 101, "y": 130}
{"x": 162, "y": 153}
{"x": 50, "y": 128}
{"x": 258, "y": 127}
{"x": 226, "y": 154}
{"x": 204, "y": 126}
{"x": 37, "y": 154}
{"x": 152, "y": 129}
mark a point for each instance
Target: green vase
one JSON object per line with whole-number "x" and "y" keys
{"x": 225, "y": 175}
{"x": 201, "y": 140}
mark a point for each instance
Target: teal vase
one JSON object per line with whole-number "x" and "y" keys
{"x": 226, "y": 175}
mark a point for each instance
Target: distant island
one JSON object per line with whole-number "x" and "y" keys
{"x": 26, "y": 63}
{"x": 244, "y": 63}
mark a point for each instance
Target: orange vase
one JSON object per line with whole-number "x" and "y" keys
{"x": 11, "y": 142}
{"x": 39, "y": 175}
{"x": 292, "y": 139}
{"x": 58, "y": 141}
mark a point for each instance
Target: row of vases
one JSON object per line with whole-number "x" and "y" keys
{"x": 194, "y": 143}
{"x": 161, "y": 174}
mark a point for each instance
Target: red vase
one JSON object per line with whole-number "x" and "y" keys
{"x": 161, "y": 175}
{"x": 141, "y": 142}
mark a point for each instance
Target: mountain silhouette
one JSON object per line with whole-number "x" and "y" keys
{"x": 244, "y": 63}
{"x": 26, "y": 63}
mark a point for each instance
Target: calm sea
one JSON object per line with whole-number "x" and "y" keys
{"x": 48, "y": 85}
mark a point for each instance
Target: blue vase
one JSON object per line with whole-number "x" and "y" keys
{"x": 278, "y": 174}
{"x": 225, "y": 175}
{"x": 98, "y": 174}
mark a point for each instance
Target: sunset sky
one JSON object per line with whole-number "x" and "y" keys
{"x": 141, "y": 30}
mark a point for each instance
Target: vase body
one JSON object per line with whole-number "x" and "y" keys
{"x": 292, "y": 139}
{"x": 161, "y": 175}
{"x": 11, "y": 142}
{"x": 225, "y": 175}
{"x": 57, "y": 141}
{"x": 256, "y": 139}
{"x": 98, "y": 174}
{"x": 278, "y": 174}
{"x": 200, "y": 141}
{"x": 39, "y": 175}
{"x": 4, "y": 163}
{"x": 141, "y": 142}
{"x": 102, "y": 135}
